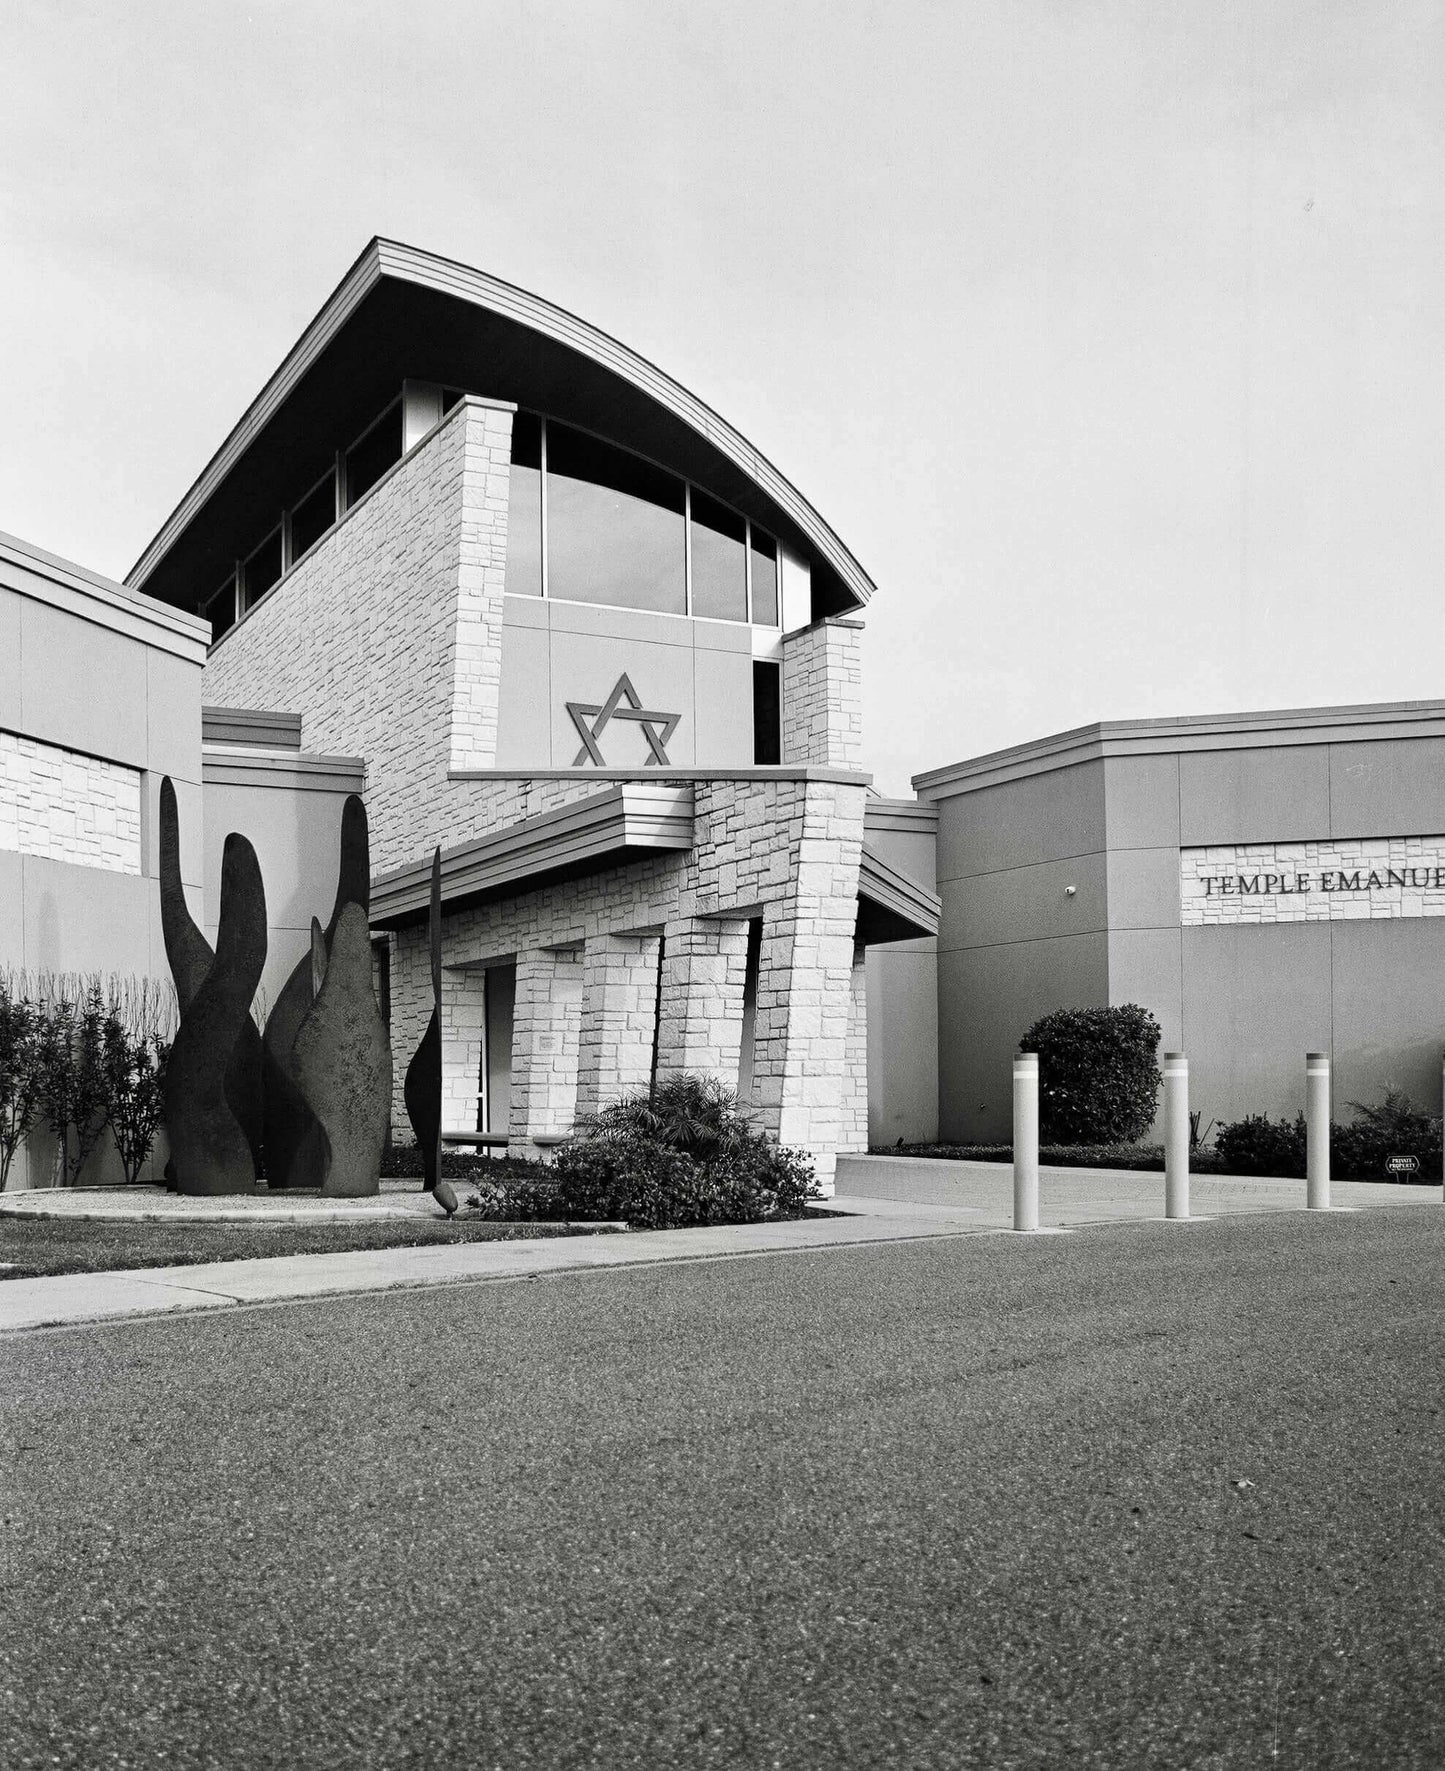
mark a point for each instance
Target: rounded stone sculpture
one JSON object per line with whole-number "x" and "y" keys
{"x": 295, "y": 1156}
{"x": 342, "y": 1063}
{"x": 423, "y": 1086}
{"x": 209, "y": 1146}
{"x": 190, "y": 956}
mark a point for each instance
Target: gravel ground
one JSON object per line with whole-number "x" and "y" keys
{"x": 1144, "y": 1495}
{"x": 34, "y": 1247}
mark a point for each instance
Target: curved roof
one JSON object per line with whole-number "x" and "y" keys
{"x": 400, "y": 312}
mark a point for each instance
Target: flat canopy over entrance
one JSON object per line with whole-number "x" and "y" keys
{"x": 626, "y": 822}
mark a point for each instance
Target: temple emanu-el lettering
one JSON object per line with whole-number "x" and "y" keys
{"x": 473, "y": 558}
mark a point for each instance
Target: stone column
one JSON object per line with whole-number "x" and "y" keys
{"x": 854, "y": 1134}
{"x": 619, "y": 1019}
{"x": 464, "y": 1041}
{"x": 805, "y": 977}
{"x": 700, "y": 1016}
{"x": 546, "y": 1021}
{"x": 410, "y": 1013}
{"x": 822, "y": 694}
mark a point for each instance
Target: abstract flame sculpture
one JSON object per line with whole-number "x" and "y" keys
{"x": 190, "y": 957}
{"x": 342, "y": 1060}
{"x": 295, "y": 1150}
{"x": 209, "y": 1146}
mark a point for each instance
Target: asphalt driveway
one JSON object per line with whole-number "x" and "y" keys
{"x": 1141, "y": 1495}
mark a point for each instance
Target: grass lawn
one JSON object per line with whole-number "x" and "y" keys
{"x": 43, "y": 1246}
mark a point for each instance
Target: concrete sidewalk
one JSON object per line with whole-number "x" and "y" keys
{"x": 879, "y": 1199}
{"x": 96, "y": 1297}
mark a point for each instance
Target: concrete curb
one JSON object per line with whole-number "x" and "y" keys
{"x": 75, "y": 1300}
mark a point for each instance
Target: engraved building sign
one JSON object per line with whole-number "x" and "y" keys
{"x": 1345, "y": 880}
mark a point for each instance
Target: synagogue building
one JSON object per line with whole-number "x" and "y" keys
{"x": 473, "y": 558}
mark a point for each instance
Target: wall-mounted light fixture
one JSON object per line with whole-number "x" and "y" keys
{"x": 1069, "y": 891}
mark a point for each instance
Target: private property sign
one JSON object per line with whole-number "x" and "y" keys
{"x": 1328, "y": 881}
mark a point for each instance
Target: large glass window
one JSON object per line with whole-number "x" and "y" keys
{"x": 313, "y": 516}
{"x": 764, "y": 560}
{"x": 719, "y": 560}
{"x": 221, "y": 610}
{"x": 524, "y": 508}
{"x": 767, "y": 712}
{"x": 588, "y": 522}
{"x": 263, "y": 568}
{"x": 369, "y": 458}
{"x": 614, "y": 526}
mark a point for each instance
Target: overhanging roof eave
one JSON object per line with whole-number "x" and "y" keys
{"x": 388, "y": 259}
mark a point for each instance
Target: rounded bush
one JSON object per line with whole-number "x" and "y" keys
{"x": 687, "y": 1154}
{"x": 1098, "y": 1073}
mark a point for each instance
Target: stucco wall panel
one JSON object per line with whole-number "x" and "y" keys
{"x": 1255, "y": 1001}
{"x": 1025, "y": 904}
{"x": 1021, "y": 823}
{"x": 987, "y": 998}
{"x": 173, "y": 715}
{"x": 586, "y": 668}
{"x": 1254, "y": 795}
{"x": 82, "y": 686}
{"x": 1142, "y": 801}
{"x": 81, "y": 919}
{"x": 1389, "y": 1017}
{"x": 1386, "y": 787}
{"x": 1143, "y": 888}
{"x": 902, "y": 994}
{"x": 11, "y": 709}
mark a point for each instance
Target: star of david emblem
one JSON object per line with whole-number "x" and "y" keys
{"x": 612, "y": 708}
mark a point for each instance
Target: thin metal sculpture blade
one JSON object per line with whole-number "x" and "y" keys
{"x": 423, "y": 1087}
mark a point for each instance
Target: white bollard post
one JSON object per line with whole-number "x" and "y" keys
{"x": 1026, "y": 1141}
{"x": 1317, "y": 1134}
{"x": 1176, "y": 1135}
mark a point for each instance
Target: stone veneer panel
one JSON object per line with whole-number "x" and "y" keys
{"x": 1335, "y": 880}
{"x": 700, "y": 1010}
{"x": 619, "y": 1013}
{"x": 823, "y": 695}
{"x": 386, "y": 638}
{"x": 63, "y": 806}
{"x": 789, "y": 848}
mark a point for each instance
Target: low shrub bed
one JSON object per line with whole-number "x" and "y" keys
{"x": 686, "y": 1155}
{"x": 1147, "y": 1157}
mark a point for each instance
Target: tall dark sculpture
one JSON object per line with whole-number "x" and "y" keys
{"x": 423, "y": 1086}
{"x": 209, "y": 1146}
{"x": 190, "y": 957}
{"x": 342, "y": 1061}
{"x": 295, "y": 1152}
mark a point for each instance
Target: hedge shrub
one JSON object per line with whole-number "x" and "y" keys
{"x": 685, "y": 1155}
{"x": 1098, "y": 1073}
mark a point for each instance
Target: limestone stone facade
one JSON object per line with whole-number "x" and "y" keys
{"x": 387, "y": 639}
{"x": 61, "y": 805}
{"x": 823, "y": 694}
{"x": 650, "y": 956}
{"x": 1344, "y": 880}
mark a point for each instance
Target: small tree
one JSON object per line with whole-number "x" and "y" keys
{"x": 70, "y": 1072}
{"x": 135, "y": 1073}
{"x": 1098, "y": 1073}
{"x": 19, "y": 1031}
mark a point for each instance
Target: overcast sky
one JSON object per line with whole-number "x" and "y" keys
{"x": 1108, "y": 336}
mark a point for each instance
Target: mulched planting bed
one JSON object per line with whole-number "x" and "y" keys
{"x": 36, "y": 1247}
